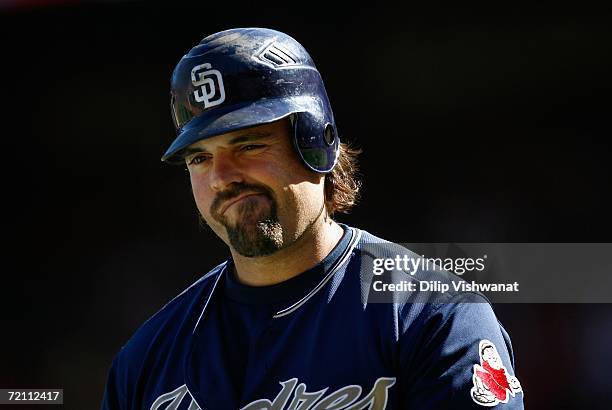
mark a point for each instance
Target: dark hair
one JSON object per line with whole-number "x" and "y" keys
{"x": 342, "y": 183}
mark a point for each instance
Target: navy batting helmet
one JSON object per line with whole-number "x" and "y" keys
{"x": 244, "y": 77}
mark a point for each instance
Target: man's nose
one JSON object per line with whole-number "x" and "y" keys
{"x": 225, "y": 171}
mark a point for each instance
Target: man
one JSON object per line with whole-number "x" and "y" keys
{"x": 290, "y": 320}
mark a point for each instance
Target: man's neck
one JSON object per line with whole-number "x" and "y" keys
{"x": 310, "y": 249}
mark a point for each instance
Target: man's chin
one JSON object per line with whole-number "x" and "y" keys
{"x": 261, "y": 238}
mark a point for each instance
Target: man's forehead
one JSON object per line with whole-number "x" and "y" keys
{"x": 270, "y": 130}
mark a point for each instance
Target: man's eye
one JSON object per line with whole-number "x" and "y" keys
{"x": 197, "y": 160}
{"x": 250, "y": 147}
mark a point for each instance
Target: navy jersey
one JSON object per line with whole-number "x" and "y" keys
{"x": 317, "y": 341}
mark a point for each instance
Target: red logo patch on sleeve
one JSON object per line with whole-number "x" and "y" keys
{"x": 492, "y": 382}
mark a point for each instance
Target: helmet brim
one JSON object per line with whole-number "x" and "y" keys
{"x": 236, "y": 117}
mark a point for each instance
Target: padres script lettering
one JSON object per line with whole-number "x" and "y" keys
{"x": 345, "y": 398}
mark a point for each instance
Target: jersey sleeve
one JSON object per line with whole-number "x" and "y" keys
{"x": 113, "y": 398}
{"x": 463, "y": 359}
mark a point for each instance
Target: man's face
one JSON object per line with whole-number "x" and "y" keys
{"x": 252, "y": 190}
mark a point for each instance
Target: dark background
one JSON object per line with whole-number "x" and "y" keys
{"x": 477, "y": 124}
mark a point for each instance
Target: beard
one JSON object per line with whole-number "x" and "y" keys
{"x": 256, "y": 230}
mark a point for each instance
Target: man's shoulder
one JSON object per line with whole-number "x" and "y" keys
{"x": 177, "y": 316}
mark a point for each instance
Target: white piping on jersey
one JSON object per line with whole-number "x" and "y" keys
{"x": 356, "y": 235}
{"x": 221, "y": 270}
{"x": 206, "y": 276}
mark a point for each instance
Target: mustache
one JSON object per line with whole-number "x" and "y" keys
{"x": 234, "y": 191}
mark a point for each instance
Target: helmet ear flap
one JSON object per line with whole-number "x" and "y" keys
{"x": 316, "y": 141}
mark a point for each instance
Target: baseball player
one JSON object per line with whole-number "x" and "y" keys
{"x": 288, "y": 320}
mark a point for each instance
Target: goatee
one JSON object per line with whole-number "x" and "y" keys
{"x": 257, "y": 230}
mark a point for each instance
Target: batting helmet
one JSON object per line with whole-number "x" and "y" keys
{"x": 244, "y": 77}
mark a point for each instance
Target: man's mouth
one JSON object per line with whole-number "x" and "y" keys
{"x": 239, "y": 198}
